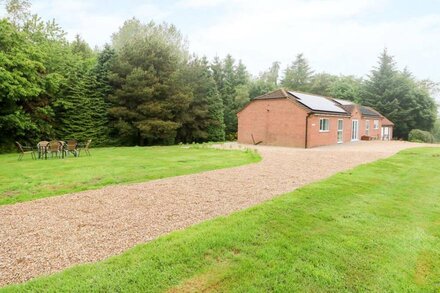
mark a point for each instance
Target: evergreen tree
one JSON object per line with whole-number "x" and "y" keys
{"x": 217, "y": 72}
{"x": 346, "y": 88}
{"x": 98, "y": 129}
{"x": 233, "y": 85}
{"x": 148, "y": 101}
{"x": 399, "y": 97}
{"x": 382, "y": 80}
{"x": 78, "y": 104}
{"x": 100, "y": 89}
{"x": 227, "y": 93}
{"x": 131, "y": 30}
{"x": 74, "y": 118}
{"x": 102, "y": 70}
{"x": 240, "y": 74}
{"x": 298, "y": 75}
{"x": 81, "y": 48}
{"x": 204, "y": 119}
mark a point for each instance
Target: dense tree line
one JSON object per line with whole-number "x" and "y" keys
{"x": 146, "y": 88}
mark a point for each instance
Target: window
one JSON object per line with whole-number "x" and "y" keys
{"x": 376, "y": 124}
{"x": 367, "y": 127}
{"x": 324, "y": 125}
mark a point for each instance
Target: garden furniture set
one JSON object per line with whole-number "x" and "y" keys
{"x": 57, "y": 148}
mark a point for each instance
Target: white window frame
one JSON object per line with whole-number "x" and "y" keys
{"x": 367, "y": 127}
{"x": 322, "y": 124}
{"x": 376, "y": 124}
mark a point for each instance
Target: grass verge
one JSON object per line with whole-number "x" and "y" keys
{"x": 374, "y": 228}
{"x": 28, "y": 179}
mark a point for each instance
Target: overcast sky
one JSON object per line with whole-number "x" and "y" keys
{"x": 336, "y": 36}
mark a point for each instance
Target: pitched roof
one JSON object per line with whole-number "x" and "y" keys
{"x": 320, "y": 104}
{"x": 348, "y": 108}
{"x": 368, "y": 111}
{"x": 314, "y": 103}
{"x": 386, "y": 122}
{"x": 365, "y": 111}
{"x": 343, "y": 102}
{"x": 278, "y": 94}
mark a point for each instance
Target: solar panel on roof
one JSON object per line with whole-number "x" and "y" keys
{"x": 317, "y": 103}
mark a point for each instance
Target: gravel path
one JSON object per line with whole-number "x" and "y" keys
{"x": 48, "y": 235}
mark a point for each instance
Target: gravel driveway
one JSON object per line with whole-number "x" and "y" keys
{"x": 48, "y": 235}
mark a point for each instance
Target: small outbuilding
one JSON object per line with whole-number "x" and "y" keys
{"x": 288, "y": 118}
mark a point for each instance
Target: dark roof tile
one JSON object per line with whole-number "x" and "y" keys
{"x": 278, "y": 94}
{"x": 368, "y": 111}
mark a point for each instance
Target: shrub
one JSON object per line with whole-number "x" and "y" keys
{"x": 231, "y": 136}
{"x": 436, "y": 131}
{"x": 417, "y": 135}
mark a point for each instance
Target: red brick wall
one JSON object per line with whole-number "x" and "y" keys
{"x": 282, "y": 122}
{"x": 274, "y": 122}
{"x": 363, "y": 125}
{"x": 318, "y": 138}
{"x": 347, "y": 130}
{"x": 356, "y": 115}
{"x": 373, "y": 132}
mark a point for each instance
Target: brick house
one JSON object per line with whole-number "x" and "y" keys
{"x": 287, "y": 118}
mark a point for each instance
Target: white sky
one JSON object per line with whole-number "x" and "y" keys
{"x": 336, "y": 36}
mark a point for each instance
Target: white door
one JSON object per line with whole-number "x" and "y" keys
{"x": 354, "y": 130}
{"x": 340, "y": 130}
{"x": 385, "y": 133}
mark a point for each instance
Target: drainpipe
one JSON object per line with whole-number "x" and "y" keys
{"x": 307, "y": 130}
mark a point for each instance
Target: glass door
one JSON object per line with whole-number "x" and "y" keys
{"x": 355, "y": 130}
{"x": 340, "y": 130}
{"x": 385, "y": 133}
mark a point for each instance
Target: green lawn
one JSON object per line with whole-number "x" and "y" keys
{"x": 375, "y": 228}
{"x": 29, "y": 179}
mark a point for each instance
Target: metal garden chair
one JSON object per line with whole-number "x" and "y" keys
{"x": 71, "y": 147}
{"x": 23, "y": 150}
{"x": 55, "y": 148}
{"x": 85, "y": 147}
